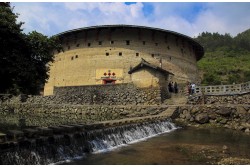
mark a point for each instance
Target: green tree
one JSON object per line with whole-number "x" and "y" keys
{"x": 41, "y": 50}
{"x": 12, "y": 46}
{"x": 226, "y": 59}
{"x": 211, "y": 79}
{"x": 23, "y": 58}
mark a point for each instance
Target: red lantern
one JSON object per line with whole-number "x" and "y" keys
{"x": 113, "y": 74}
{"x": 109, "y": 73}
{"x": 105, "y": 74}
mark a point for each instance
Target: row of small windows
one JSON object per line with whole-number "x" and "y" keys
{"x": 128, "y": 43}
{"x": 107, "y": 54}
{"x": 89, "y": 44}
{"x": 112, "y": 42}
{"x": 120, "y": 54}
{"x": 177, "y": 41}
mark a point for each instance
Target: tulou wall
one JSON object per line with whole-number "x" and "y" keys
{"x": 90, "y": 53}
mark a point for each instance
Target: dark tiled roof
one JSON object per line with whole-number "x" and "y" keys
{"x": 144, "y": 63}
{"x": 199, "y": 50}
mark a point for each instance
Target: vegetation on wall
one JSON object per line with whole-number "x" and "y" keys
{"x": 23, "y": 57}
{"x": 226, "y": 59}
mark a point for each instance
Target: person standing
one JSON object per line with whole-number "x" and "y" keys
{"x": 175, "y": 87}
{"x": 170, "y": 87}
{"x": 192, "y": 88}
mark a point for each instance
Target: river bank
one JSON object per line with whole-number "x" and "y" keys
{"x": 20, "y": 113}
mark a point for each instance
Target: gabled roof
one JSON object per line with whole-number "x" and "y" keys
{"x": 144, "y": 63}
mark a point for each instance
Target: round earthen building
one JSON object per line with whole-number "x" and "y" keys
{"x": 113, "y": 54}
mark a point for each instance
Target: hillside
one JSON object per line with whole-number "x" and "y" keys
{"x": 226, "y": 59}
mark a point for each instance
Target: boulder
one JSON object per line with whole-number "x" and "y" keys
{"x": 202, "y": 118}
{"x": 224, "y": 111}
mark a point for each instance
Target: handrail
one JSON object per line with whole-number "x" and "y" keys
{"x": 223, "y": 89}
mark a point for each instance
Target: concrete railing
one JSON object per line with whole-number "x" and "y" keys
{"x": 223, "y": 89}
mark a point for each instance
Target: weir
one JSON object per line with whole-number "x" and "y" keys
{"x": 63, "y": 147}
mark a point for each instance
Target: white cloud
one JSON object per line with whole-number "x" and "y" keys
{"x": 230, "y": 18}
{"x": 186, "y": 18}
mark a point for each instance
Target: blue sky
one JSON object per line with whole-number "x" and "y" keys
{"x": 189, "y": 18}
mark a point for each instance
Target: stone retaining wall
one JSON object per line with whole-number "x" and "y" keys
{"x": 50, "y": 115}
{"x": 220, "y": 99}
{"x": 119, "y": 94}
{"x": 234, "y": 117}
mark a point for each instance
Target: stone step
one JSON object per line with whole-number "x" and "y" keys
{"x": 44, "y": 131}
{"x": 78, "y": 127}
{"x": 3, "y": 137}
{"x": 57, "y": 129}
{"x": 31, "y": 133}
{"x": 68, "y": 128}
{"x": 169, "y": 111}
{"x": 15, "y": 134}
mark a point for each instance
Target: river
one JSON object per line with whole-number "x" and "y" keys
{"x": 180, "y": 147}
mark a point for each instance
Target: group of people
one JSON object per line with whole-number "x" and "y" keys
{"x": 173, "y": 87}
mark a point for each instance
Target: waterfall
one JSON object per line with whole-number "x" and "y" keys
{"x": 110, "y": 138}
{"x": 59, "y": 148}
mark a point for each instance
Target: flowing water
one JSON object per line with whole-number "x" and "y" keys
{"x": 184, "y": 146}
{"x": 66, "y": 147}
{"x": 159, "y": 142}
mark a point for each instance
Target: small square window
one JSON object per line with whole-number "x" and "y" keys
{"x": 76, "y": 56}
{"x": 137, "y": 54}
{"x": 144, "y": 42}
{"x": 152, "y": 55}
{"x": 120, "y": 53}
{"x": 72, "y": 58}
{"x": 100, "y": 42}
{"x": 89, "y": 44}
{"x": 127, "y": 42}
{"x": 77, "y": 45}
{"x": 107, "y": 54}
{"x": 111, "y": 42}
